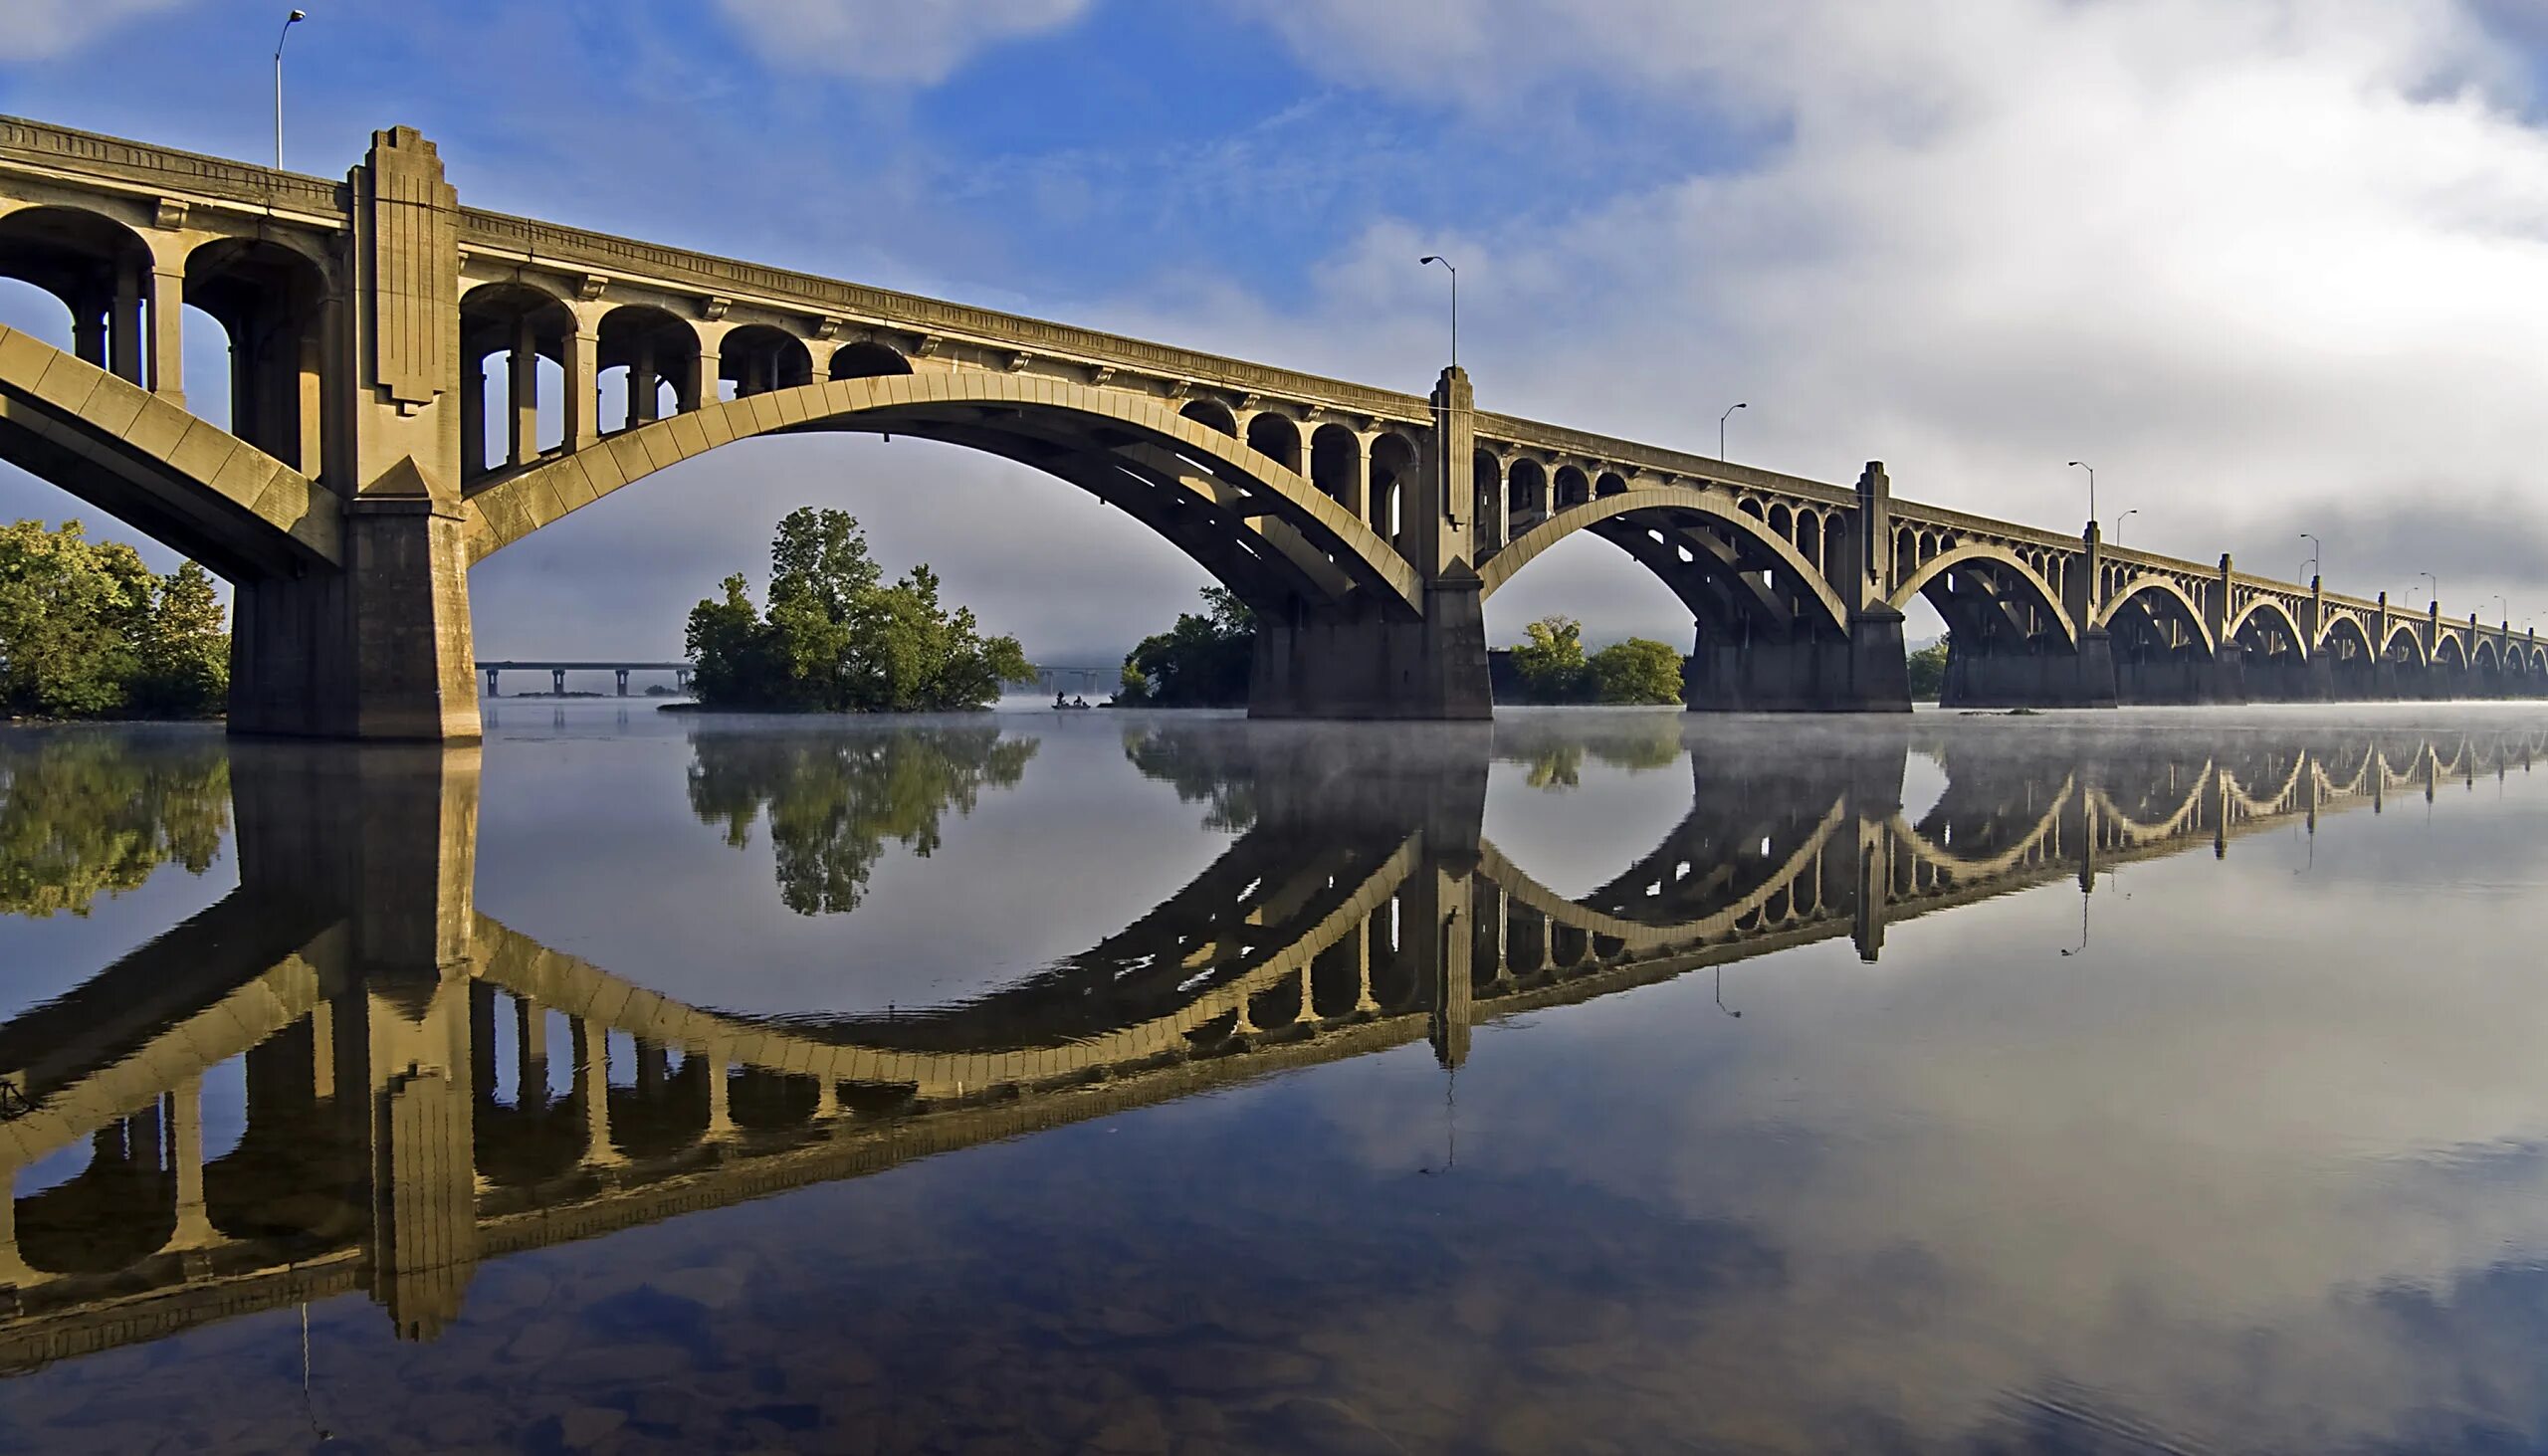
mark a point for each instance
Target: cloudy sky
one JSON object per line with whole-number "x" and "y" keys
{"x": 2273, "y": 266}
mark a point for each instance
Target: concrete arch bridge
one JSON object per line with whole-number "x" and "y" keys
{"x": 416, "y": 385}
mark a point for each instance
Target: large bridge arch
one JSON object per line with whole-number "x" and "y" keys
{"x": 2147, "y": 589}
{"x": 2261, "y": 607}
{"x": 1199, "y": 487}
{"x": 1811, "y": 589}
{"x": 1997, "y": 561}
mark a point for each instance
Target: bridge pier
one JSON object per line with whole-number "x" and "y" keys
{"x": 1865, "y": 672}
{"x": 2039, "y": 673}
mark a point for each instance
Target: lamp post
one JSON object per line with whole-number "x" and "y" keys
{"x": 2092, "y": 488}
{"x": 2118, "y": 523}
{"x": 280, "y": 36}
{"x": 1456, "y": 301}
{"x": 2504, "y": 605}
{"x": 2436, "y": 586}
{"x": 2316, "y": 549}
{"x": 1720, "y": 427}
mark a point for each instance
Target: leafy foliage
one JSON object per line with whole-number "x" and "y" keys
{"x": 1929, "y": 672}
{"x": 1202, "y": 662}
{"x": 1553, "y": 667}
{"x": 87, "y": 631}
{"x": 834, "y": 801}
{"x": 83, "y": 815}
{"x": 838, "y": 639}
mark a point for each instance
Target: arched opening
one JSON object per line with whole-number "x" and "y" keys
{"x": 268, "y": 298}
{"x": 1527, "y": 486}
{"x": 99, "y": 270}
{"x": 1393, "y": 460}
{"x": 1489, "y": 503}
{"x": 115, "y": 1213}
{"x": 2161, "y": 654}
{"x": 652, "y": 356}
{"x": 1276, "y": 437}
{"x": 2351, "y": 667}
{"x": 520, "y": 405}
{"x": 1212, "y": 414}
{"x": 760, "y": 357}
{"x": 1572, "y": 487}
{"x": 868, "y": 360}
{"x": 1336, "y": 466}
{"x": 1610, "y": 484}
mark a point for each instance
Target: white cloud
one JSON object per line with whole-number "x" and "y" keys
{"x": 41, "y": 29}
{"x": 919, "y": 41}
{"x": 2255, "y": 258}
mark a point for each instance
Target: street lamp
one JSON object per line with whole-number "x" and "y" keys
{"x": 1455, "y": 302}
{"x": 1720, "y": 427}
{"x": 2316, "y": 549}
{"x": 2436, "y": 586}
{"x": 2120, "y": 519}
{"x": 2092, "y": 488}
{"x": 284, "y": 34}
{"x": 2504, "y": 605}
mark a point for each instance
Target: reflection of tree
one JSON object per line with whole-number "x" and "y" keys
{"x": 1187, "y": 762}
{"x": 1558, "y": 765}
{"x": 88, "y": 813}
{"x": 834, "y": 800}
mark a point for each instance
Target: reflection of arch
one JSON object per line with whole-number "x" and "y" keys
{"x": 2029, "y": 582}
{"x": 1198, "y": 487}
{"x": 1638, "y": 936}
{"x": 1965, "y": 868}
{"x": 2184, "y": 609}
{"x": 1802, "y": 576}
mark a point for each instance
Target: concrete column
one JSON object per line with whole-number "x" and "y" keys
{"x": 1363, "y": 1005}
{"x": 644, "y": 384}
{"x": 473, "y": 418}
{"x": 89, "y": 329}
{"x": 186, "y": 1149}
{"x": 720, "y": 1112}
{"x": 124, "y": 327}
{"x": 583, "y": 389}
{"x": 697, "y": 389}
{"x": 14, "y": 1271}
{"x": 523, "y": 438}
{"x": 558, "y": 682}
{"x": 1357, "y": 499}
{"x": 322, "y": 1051}
{"x": 592, "y": 1088}
{"x": 623, "y": 682}
{"x": 167, "y": 329}
{"x": 531, "y": 1053}
{"x": 1495, "y": 527}
{"x": 494, "y": 690}
{"x": 1308, "y": 1014}
{"x": 826, "y": 1098}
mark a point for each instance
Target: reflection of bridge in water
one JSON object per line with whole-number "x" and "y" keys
{"x": 1361, "y": 909}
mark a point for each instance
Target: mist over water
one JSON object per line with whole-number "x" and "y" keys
{"x": 1069, "y": 1081}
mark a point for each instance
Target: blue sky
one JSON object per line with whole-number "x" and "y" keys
{"x": 2272, "y": 264}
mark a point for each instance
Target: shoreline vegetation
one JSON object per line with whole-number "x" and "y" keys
{"x": 88, "y": 634}
{"x": 837, "y": 638}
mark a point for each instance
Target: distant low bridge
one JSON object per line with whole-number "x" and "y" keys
{"x": 493, "y": 673}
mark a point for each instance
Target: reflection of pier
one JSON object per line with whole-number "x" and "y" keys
{"x": 369, "y": 1001}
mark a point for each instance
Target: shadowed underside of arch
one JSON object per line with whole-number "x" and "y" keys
{"x": 1203, "y": 489}
{"x": 2270, "y": 606}
{"x": 180, "y": 479}
{"x": 2165, "y": 587}
{"x": 2026, "y": 577}
{"x": 1665, "y": 503}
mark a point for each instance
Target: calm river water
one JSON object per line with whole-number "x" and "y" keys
{"x": 1094, "y": 1081}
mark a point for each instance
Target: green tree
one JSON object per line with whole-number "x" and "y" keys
{"x": 834, "y": 801}
{"x": 85, "y": 631}
{"x": 836, "y": 639}
{"x": 1202, "y": 662}
{"x": 1929, "y": 672}
{"x": 1638, "y": 670}
{"x": 1551, "y": 664}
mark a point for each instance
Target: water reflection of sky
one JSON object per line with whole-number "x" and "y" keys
{"x": 2257, "y": 1166}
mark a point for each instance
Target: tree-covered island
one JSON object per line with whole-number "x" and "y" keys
{"x": 839, "y": 638}
{"x": 87, "y": 631}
